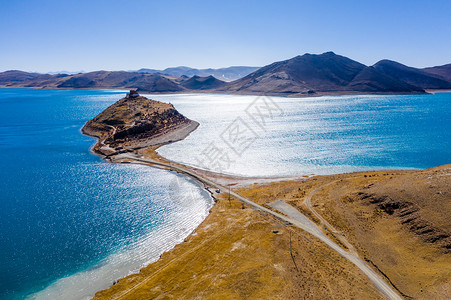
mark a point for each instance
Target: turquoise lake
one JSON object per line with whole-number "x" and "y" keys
{"x": 71, "y": 224}
{"x": 319, "y": 135}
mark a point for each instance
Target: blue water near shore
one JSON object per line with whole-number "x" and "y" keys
{"x": 70, "y": 223}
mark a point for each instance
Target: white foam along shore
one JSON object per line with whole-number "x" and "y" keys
{"x": 191, "y": 196}
{"x": 195, "y": 204}
{"x": 195, "y": 208}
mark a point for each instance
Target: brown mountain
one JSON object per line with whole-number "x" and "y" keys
{"x": 441, "y": 71}
{"x": 324, "y": 73}
{"x": 327, "y": 72}
{"x": 371, "y": 80}
{"x": 16, "y": 78}
{"x": 99, "y": 79}
{"x": 203, "y": 83}
{"x": 104, "y": 79}
{"x": 412, "y": 76}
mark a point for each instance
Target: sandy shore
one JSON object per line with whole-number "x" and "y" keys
{"x": 438, "y": 91}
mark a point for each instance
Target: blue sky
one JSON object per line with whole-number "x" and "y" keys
{"x": 91, "y": 35}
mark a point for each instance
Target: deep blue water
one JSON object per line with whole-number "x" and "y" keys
{"x": 63, "y": 210}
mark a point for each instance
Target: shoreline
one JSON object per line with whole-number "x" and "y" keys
{"x": 173, "y": 134}
{"x": 433, "y": 91}
{"x": 163, "y": 163}
{"x": 150, "y": 152}
{"x": 145, "y": 153}
{"x": 211, "y": 191}
{"x": 202, "y": 235}
{"x": 145, "y": 249}
{"x": 283, "y": 95}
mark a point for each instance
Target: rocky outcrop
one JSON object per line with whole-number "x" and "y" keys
{"x": 409, "y": 215}
{"x": 136, "y": 122}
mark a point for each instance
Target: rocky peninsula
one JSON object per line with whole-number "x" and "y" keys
{"x": 136, "y": 122}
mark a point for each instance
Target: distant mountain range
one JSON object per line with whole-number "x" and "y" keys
{"x": 225, "y": 74}
{"x": 309, "y": 74}
{"x": 329, "y": 73}
{"x": 99, "y": 79}
{"x": 203, "y": 83}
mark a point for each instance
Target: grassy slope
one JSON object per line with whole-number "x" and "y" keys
{"x": 417, "y": 263}
{"x": 240, "y": 253}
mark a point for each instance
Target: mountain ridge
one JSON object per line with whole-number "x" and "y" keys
{"x": 224, "y": 74}
{"x": 329, "y": 73}
{"x": 443, "y": 71}
{"x": 302, "y": 75}
{"x": 413, "y": 76}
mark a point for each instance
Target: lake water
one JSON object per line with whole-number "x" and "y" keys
{"x": 70, "y": 223}
{"x": 323, "y": 135}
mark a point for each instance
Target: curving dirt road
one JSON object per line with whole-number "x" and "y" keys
{"x": 339, "y": 235}
{"x": 292, "y": 216}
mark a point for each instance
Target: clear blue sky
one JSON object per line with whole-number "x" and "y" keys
{"x": 49, "y": 35}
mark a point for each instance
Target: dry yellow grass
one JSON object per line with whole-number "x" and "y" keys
{"x": 240, "y": 254}
{"x": 418, "y": 266}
